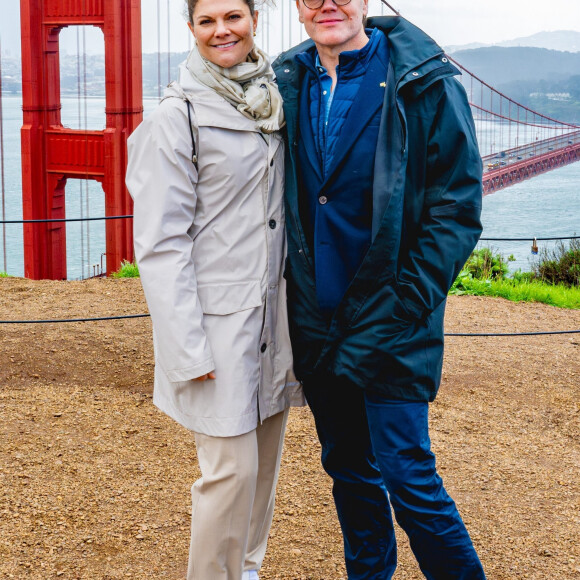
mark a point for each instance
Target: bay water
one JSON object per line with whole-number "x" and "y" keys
{"x": 545, "y": 206}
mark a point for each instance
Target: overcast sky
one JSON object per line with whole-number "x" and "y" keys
{"x": 449, "y": 22}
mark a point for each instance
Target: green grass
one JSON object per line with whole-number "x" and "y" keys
{"x": 127, "y": 270}
{"x": 4, "y": 275}
{"x": 518, "y": 289}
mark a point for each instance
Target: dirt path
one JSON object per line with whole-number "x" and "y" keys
{"x": 94, "y": 481}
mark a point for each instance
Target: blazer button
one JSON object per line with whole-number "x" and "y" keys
{"x": 272, "y": 224}
{"x": 322, "y": 199}
{"x": 263, "y": 347}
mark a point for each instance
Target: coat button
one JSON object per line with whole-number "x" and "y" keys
{"x": 271, "y": 162}
{"x": 415, "y": 74}
{"x": 322, "y": 199}
{"x": 272, "y": 224}
{"x": 263, "y": 347}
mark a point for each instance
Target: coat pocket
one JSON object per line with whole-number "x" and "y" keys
{"x": 227, "y": 298}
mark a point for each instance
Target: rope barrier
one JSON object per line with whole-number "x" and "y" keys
{"x": 119, "y": 217}
{"x": 62, "y": 320}
{"x": 131, "y": 316}
{"x": 513, "y": 333}
{"x": 526, "y": 239}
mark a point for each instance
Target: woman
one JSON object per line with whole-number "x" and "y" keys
{"x": 206, "y": 175}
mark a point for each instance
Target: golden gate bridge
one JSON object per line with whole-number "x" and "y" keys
{"x": 516, "y": 143}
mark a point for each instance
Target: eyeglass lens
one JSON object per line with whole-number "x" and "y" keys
{"x": 315, "y": 4}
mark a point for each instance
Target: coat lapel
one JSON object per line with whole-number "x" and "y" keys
{"x": 365, "y": 105}
{"x": 306, "y": 134}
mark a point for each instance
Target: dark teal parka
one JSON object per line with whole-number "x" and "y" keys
{"x": 387, "y": 333}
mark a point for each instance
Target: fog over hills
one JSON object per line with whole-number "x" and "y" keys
{"x": 497, "y": 65}
{"x": 544, "y": 80}
{"x": 563, "y": 40}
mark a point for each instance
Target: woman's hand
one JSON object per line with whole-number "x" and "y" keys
{"x": 210, "y": 375}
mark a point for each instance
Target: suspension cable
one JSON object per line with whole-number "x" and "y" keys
{"x": 168, "y": 43}
{"x": 3, "y": 189}
{"x": 85, "y": 119}
{"x": 159, "y": 49}
{"x": 560, "y": 123}
{"x": 79, "y": 111}
{"x": 391, "y": 8}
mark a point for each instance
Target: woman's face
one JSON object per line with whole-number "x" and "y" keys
{"x": 224, "y": 30}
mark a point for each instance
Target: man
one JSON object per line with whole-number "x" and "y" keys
{"x": 383, "y": 183}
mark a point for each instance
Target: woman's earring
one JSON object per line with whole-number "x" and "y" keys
{"x": 254, "y": 33}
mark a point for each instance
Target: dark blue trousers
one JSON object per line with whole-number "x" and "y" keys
{"x": 378, "y": 451}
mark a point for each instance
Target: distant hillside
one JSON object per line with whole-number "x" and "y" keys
{"x": 155, "y": 68}
{"x": 547, "y": 81}
{"x": 498, "y": 65}
{"x": 562, "y": 40}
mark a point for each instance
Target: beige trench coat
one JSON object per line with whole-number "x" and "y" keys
{"x": 210, "y": 245}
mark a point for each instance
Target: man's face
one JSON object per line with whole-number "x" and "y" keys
{"x": 336, "y": 27}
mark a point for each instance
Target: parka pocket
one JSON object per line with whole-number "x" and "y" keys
{"x": 227, "y": 298}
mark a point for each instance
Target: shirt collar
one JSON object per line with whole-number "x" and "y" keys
{"x": 351, "y": 62}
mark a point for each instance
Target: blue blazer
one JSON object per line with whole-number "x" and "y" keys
{"x": 336, "y": 203}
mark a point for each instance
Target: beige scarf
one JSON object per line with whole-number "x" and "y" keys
{"x": 248, "y": 86}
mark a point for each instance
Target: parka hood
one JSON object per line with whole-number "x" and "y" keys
{"x": 409, "y": 46}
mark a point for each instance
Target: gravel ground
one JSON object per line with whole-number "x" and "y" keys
{"x": 94, "y": 481}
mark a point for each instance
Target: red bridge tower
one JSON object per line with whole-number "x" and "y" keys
{"x": 51, "y": 154}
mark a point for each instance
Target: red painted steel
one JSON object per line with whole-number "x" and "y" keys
{"x": 526, "y": 169}
{"x": 566, "y": 139}
{"x": 52, "y": 154}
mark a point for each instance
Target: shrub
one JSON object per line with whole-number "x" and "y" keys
{"x": 127, "y": 270}
{"x": 520, "y": 277}
{"x": 462, "y": 283}
{"x": 4, "y": 275}
{"x": 483, "y": 264}
{"x": 560, "y": 265}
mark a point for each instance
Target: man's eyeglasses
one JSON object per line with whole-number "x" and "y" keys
{"x": 316, "y": 4}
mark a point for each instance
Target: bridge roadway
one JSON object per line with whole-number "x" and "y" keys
{"x": 526, "y": 161}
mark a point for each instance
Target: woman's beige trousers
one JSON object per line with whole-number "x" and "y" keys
{"x": 233, "y": 501}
